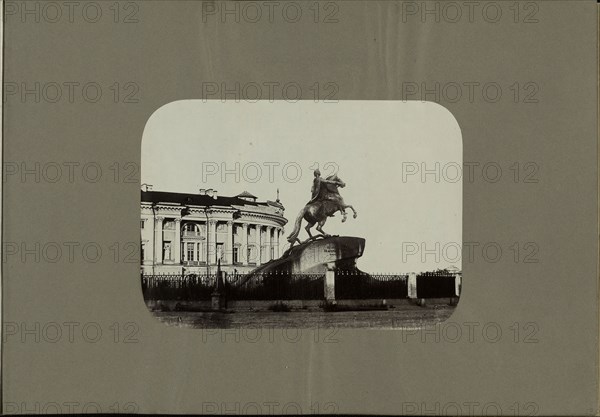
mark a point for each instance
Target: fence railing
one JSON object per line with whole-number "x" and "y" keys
{"x": 237, "y": 287}
{"x": 276, "y": 287}
{"x": 348, "y": 286}
{"x": 189, "y": 233}
{"x": 351, "y": 286}
{"x": 178, "y": 287}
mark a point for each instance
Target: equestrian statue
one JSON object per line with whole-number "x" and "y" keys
{"x": 325, "y": 201}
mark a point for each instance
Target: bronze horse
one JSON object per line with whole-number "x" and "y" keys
{"x": 328, "y": 202}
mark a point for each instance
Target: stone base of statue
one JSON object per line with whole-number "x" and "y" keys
{"x": 317, "y": 256}
{"x": 320, "y": 256}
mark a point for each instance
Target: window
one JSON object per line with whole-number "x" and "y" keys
{"x": 167, "y": 251}
{"x": 236, "y": 251}
{"x": 142, "y": 224}
{"x": 252, "y": 254}
{"x": 190, "y": 252}
{"x": 169, "y": 225}
{"x": 201, "y": 252}
{"x": 221, "y": 252}
{"x": 272, "y": 252}
{"x": 191, "y": 229}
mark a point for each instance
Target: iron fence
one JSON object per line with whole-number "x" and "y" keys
{"x": 237, "y": 287}
{"x": 178, "y": 287}
{"x": 276, "y": 287}
{"x": 356, "y": 286}
{"x": 348, "y": 286}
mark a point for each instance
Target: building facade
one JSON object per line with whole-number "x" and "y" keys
{"x": 190, "y": 233}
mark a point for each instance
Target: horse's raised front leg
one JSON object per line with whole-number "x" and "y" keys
{"x": 352, "y": 208}
{"x": 344, "y": 215}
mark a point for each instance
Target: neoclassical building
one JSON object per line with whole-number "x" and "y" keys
{"x": 188, "y": 233}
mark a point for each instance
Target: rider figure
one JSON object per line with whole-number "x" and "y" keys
{"x": 316, "y": 187}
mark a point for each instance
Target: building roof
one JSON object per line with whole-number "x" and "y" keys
{"x": 196, "y": 199}
{"x": 246, "y": 194}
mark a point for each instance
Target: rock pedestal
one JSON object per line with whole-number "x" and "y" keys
{"x": 322, "y": 256}
{"x": 317, "y": 256}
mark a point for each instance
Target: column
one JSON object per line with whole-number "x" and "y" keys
{"x": 277, "y": 251}
{"x": 267, "y": 243}
{"x": 149, "y": 252}
{"x": 271, "y": 242}
{"x": 229, "y": 243}
{"x": 457, "y": 283}
{"x": 259, "y": 244}
{"x": 203, "y": 244}
{"x": 330, "y": 282}
{"x": 214, "y": 248}
{"x": 412, "y": 285}
{"x": 272, "y": 247}
{"x": 177, "y": 243}
{"x": 244, "y": 244}
{"x": 158, "y": 239}
{"x": 211, "y": 241}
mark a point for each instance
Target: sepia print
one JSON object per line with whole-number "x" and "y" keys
{"x": 276, "y": 214}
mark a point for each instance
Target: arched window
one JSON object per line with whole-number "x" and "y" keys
{"x": 191, "y": 229}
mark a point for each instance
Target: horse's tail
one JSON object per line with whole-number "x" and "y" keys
{"x": 294, "y": 235}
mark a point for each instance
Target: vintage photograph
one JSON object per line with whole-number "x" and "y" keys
{"x": 303, "y": 214}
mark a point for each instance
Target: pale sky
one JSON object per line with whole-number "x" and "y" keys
{"x": 370, "y": 142}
